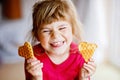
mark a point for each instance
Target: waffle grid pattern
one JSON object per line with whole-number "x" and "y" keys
{"x": 26, "y": 51}
{"x": 87, "y": 50}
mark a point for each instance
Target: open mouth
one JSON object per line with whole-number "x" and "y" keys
{"x": 57, "y": 44}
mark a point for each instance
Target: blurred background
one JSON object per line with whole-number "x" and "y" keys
{"x": 100, "y": 19}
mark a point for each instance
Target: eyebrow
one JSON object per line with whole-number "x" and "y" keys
{"x": 44, "y": 28}
{"x": 59, "y": 25}
{"x": 63, "y": 25}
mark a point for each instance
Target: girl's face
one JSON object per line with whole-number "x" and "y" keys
{"x": 56, "y": 37}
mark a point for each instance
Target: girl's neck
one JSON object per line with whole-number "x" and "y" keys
{"x": 58, "y": 59}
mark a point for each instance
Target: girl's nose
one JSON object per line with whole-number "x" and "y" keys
{"x": 55, "y": 35}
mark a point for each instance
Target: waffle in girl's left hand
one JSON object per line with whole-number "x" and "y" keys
{"x": 87, "y": 50}
{"x": 26, "y": 51}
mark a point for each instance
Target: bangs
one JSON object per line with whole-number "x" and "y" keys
{"x": 53, "y": 16}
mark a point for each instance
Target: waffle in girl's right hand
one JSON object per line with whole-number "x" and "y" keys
{"x": 26, "y": 51}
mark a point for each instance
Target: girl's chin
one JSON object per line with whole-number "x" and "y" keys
{"x": 58, "y": 50}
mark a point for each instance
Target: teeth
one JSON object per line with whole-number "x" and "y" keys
{"x": 56, "y": 43}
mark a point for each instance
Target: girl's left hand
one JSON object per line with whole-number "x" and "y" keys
{"x": 88, "y": 69}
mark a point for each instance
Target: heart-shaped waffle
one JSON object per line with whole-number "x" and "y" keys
{"x": 26, "y": 51}
{"x": 87, "y": 50}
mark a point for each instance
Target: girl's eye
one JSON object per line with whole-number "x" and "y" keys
{"x": 45, "y": 31}
{"x": 62, "y": 28}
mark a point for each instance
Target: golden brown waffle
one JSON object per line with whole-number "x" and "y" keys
{"x": 26, "y": 51}
{"x": 87, "y": 50}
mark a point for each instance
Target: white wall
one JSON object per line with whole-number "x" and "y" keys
{"x": 114, "y": 46}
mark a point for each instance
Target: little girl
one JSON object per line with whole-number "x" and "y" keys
{"x": 55, "y": 27}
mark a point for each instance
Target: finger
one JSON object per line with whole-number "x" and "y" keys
{"x": 37, "y": 67}
{"x": 88, "y": 72}
{"x": 31, "y": 60}
{"x": 89, "y": 68}
{"x": 92, "y": 64}
{"x": 84, "y": 73}
{"x": 91, "y": 60}
{"x": 32, "y": 64}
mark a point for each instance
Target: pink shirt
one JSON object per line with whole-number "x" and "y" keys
{"x": 68, "y": 70}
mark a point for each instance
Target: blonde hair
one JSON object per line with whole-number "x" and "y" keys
{"x": 48, "y": 11}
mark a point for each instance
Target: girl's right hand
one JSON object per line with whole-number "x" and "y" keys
{"x": 34, "y": 67}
